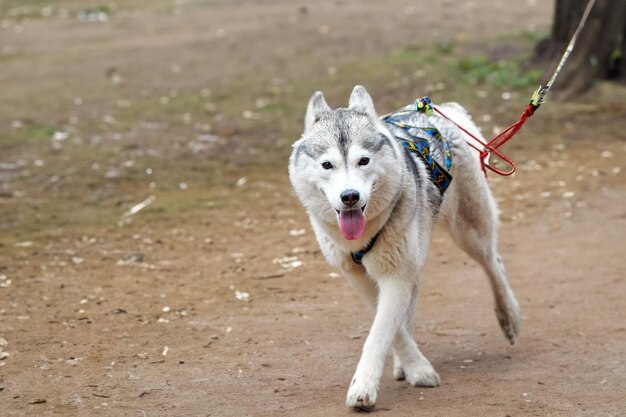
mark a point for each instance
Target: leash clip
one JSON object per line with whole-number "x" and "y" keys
{"x": 424, "y": 105}
{"x": 539, "y": 97}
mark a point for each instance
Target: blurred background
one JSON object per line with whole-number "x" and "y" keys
{"x": 153, "y": 260}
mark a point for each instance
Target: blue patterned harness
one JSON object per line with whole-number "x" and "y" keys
{"x": 422, "y": 137}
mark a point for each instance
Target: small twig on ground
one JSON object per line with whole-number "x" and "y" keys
{"x": 136, "y": 209}
{"x": 271, "y": 276}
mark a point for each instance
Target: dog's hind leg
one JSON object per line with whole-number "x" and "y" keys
{"x": 473, "y": 223}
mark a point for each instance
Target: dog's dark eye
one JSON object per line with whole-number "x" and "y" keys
{"x": 327, "y": 165}
{"x": 364, "y": 161}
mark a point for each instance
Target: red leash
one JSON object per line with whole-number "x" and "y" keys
{"x": 495, "y": 143}
{"x": 537, "y": 99}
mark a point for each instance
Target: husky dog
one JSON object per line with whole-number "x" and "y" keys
{"x": 373, "y": 204}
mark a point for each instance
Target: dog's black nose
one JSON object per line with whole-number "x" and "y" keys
{"x": 350, "y": 197}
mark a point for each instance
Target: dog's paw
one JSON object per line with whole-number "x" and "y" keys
{"x": 421, "y": 374}
{"x": 509, "y": 317}
{"x": 398, "y": 372}
{"x": 362, "y": 394}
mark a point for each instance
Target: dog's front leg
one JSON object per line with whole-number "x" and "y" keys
{"x": 393, "y": 300}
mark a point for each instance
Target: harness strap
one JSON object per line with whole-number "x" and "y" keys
{"x": 421, "y": 146}
{"x": 440, "y": 176}
{"x": 358, "y": 255}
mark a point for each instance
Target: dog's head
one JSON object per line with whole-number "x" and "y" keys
{"x": 345, "y": 167}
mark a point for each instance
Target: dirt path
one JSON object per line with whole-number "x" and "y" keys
{"x": 215, "y": 300}
{"x": 93, "y": 332}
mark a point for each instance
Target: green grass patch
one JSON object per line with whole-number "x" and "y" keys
{"x": 30, "y": 133}
{"x": 98, "y": 8}
{"x": 22, "y": 9}
{"x": 500, "y": 73}
{"x": 444, "y": 71}
{"x": 524, "y": 36}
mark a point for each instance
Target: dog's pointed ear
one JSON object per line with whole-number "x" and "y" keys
{"x": 360, "y": 101}
{"x": 316, "y": 108}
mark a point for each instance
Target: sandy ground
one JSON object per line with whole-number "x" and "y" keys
{"x": 215, "y": 300}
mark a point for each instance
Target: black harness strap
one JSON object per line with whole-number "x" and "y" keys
{"x": 358, "y": 255}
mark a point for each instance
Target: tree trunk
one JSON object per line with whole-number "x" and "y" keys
{"x": 600, "y": 50}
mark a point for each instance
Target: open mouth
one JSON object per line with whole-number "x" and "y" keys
{"x": 362, "y": 209}
{"x": 352, "y": 223}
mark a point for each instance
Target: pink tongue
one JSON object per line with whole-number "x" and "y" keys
{"x": 352, "y": 224}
